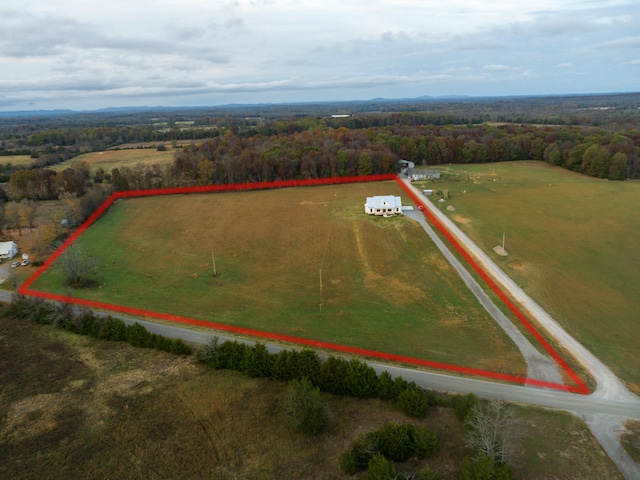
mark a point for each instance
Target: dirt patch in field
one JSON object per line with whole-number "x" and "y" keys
{"x": 33, "y": 416}
{"x": 460, "y": 219}
{"x": 393, "y": 290}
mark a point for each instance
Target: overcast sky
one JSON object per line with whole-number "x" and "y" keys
{"x": 90, "y": 54}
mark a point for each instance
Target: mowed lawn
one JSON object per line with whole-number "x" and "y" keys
{"x": 384, "y": 284}
{"x": 572, "y": 243}
{"x": 110, "y": 159}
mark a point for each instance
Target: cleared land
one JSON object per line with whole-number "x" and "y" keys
{"x": 76, "y": 407}
{"x": 16, "y": 160}
{"x": 110, "y": 159}
{"x": 384, "y": 284}
{"x": 571, "y": 244}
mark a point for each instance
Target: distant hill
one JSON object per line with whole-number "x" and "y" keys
{"x": 505, "y": 108}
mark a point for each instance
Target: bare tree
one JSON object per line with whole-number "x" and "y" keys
{"x": 492, "y": 430}
{"x": 27, "y": 210}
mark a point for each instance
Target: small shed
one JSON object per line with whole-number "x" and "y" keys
{"x": 8, "y": 249}
{"x": 383, "y": 205}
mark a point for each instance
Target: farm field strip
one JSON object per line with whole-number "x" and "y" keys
{"x": 110, "y": 159}
{"x": 25, "y": 289}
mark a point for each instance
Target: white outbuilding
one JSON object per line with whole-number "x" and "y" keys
{"x": 8, "y": 249}
{"x": 383, "y": 205}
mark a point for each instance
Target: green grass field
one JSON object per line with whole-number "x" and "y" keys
{"x": 384, "y": 284}
{"x": 110, "y": 159}
{"x": 572, "y": 243}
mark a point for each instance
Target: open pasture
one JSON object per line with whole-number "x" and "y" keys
{"x": 110, "y": 159}
{"x": 17, "y": 160}
{"x": 572, "y": 243}
{"x": 305, "y": 262}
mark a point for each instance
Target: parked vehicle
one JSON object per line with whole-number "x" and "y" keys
{"x": 15, "y": 264}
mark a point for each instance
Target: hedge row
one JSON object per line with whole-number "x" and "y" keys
{"x": 334, "y": 375}
{"x": 85, "y": 322}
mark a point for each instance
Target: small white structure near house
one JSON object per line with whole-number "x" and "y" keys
{"x": 8, "y": 249}
{"x": 384, "y": 205}
{"x": 425, "y": 175}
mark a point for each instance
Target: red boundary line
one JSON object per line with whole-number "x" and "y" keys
{"x": 25, "y": 289}
{"x": 581, "y": 387}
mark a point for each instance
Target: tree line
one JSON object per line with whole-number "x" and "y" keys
{"x": 321, "y": 152}
{"x": 333, "y": 152}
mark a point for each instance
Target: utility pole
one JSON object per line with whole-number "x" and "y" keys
{"x": 213, "y": 262}
{"x": 503, "y": 235}
{"x": 320, "y": 304}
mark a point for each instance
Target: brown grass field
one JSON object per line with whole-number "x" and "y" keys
{"x": 110, "y": 159}
{"x": 17, "y": 160}
{"x": 384, "y": 285}
{"x": 572, "y": 243}
{"x": 74, "y": 407}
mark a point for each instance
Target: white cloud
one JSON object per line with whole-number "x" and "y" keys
{"x": 626, "y": 42}
{"x": 496, "y": 68}
{"x": 67, "y": 52}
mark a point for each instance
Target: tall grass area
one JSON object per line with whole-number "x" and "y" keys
{"x": 76, "y": 407}
{"x": 572, "y": 243}
{"x": 384, "y": 284}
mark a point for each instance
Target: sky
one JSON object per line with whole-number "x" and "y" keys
{"x": 92, "y": 54}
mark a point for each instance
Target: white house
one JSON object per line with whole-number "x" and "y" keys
{"x": 384, "y": 205}
{"x": 8, "y": 249}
